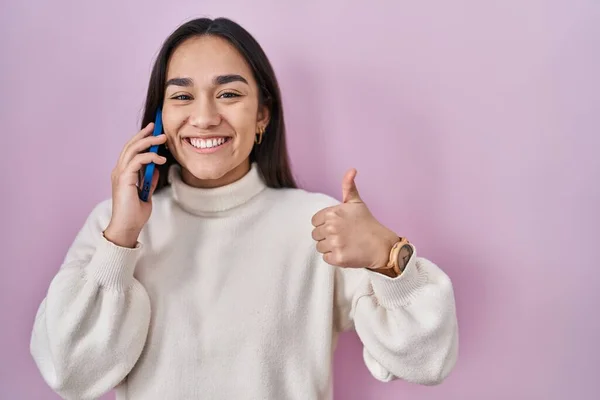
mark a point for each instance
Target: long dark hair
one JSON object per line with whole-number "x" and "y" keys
{"x": 271, "y": 155}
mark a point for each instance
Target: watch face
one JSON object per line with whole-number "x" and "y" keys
{"x": 404, "y": 254}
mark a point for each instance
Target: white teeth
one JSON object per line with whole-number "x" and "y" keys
{"x": 206, "y": 143}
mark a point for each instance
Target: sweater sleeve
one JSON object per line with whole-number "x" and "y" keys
{"x": 407, "y": 325}
{"x": 91, "y": 326}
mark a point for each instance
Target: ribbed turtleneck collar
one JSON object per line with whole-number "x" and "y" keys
{"x": 206, "y": 201}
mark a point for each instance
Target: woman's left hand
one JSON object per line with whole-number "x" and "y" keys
{"x": 348, "y": 235}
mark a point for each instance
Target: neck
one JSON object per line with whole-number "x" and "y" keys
{"x": 210, "y": 200}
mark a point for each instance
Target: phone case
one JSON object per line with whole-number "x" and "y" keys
{"x": 149, "y": 172}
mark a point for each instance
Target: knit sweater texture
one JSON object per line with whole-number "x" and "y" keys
{"x": 226, "y": 297}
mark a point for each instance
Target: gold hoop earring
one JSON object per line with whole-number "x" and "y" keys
{"x": 259, "y": 135}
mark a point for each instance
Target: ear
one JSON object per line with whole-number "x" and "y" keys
{"x": 264, "y": 115}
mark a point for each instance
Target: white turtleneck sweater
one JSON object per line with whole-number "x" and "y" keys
{"x": 226, "y": 297}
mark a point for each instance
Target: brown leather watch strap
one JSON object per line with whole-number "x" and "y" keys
{"x": 393, "y": 268}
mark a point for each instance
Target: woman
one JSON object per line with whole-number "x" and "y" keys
{"x": 231, "y": 283}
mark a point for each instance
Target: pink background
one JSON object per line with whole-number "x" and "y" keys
{"x": 474, "y": 126}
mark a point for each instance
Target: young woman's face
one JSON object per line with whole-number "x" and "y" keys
{"x": 211, "y": 111}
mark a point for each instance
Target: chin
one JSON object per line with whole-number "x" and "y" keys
{"x": 208, "y": 171}
{"x": 213, "y": 173}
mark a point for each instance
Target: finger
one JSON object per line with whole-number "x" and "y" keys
{"x": 329, "y": 258}
{"x": 140, "y": 146}
{"x": 330, "y": 244}
{"x": 147, "y": 130}
{"x": 140, "y": 160}
{"x": 349, "y": 189}
{"x": 319, "y": 233}
{"x": 318, "y": 219}
{"x": 335, "y": 258}
{"x": 323, "y": 246}
{"x": 321, "y": 217}
{"x": 155, "y": 177}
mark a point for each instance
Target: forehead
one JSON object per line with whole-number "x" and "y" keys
{"x": 202, "y": 58}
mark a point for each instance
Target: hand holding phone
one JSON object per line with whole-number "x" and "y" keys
{"x": 129, "y": 212}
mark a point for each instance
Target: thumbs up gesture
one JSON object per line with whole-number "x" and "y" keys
{"x": 348, "y": 235}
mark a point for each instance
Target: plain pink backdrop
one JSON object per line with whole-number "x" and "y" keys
{"x": 474, "y": 126}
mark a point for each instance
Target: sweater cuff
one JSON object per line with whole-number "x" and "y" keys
{"x": 398, "y": 292}
{"x": 112, "y": 266}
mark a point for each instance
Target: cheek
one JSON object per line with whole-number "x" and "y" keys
{"x": 172, "y": 122}
{"x": 243, "y": 121}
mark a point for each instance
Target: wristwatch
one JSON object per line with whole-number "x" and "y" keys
{"x": 395, "y": 266}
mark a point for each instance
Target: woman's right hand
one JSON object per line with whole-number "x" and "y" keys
{"x": 129, "y": 213}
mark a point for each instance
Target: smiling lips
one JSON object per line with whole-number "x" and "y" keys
{"x": 207, "y": 145}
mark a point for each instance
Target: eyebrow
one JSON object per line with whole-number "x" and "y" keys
{"x": 224, "y": 79}
{"x": 218, "y": 80}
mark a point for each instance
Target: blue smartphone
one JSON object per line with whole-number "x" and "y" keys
{"x": 149, "y": 172}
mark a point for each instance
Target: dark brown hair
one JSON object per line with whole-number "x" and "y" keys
{"x": 271, "y": 155}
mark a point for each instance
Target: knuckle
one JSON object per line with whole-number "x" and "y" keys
{"x": 336, "y": 242}
{"x": 331, "y": 214}
{"x": 339, "y": 258}
{"x": 331, "y": 229}
{"x": 121, "y": 179}
{"x": 114, "y": 175}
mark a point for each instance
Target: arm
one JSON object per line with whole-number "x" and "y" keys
{"x": 407, "y": 324}
{"x": 91, "y": 327}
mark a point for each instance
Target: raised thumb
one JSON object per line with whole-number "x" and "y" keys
{"x": 349, "y": 189}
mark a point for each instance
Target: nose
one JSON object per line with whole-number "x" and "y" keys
{"x": 204, "y": 114}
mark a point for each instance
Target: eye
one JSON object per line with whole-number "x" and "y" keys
{"x": 228, "y": 95}
{"x": 181, "y": 97}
